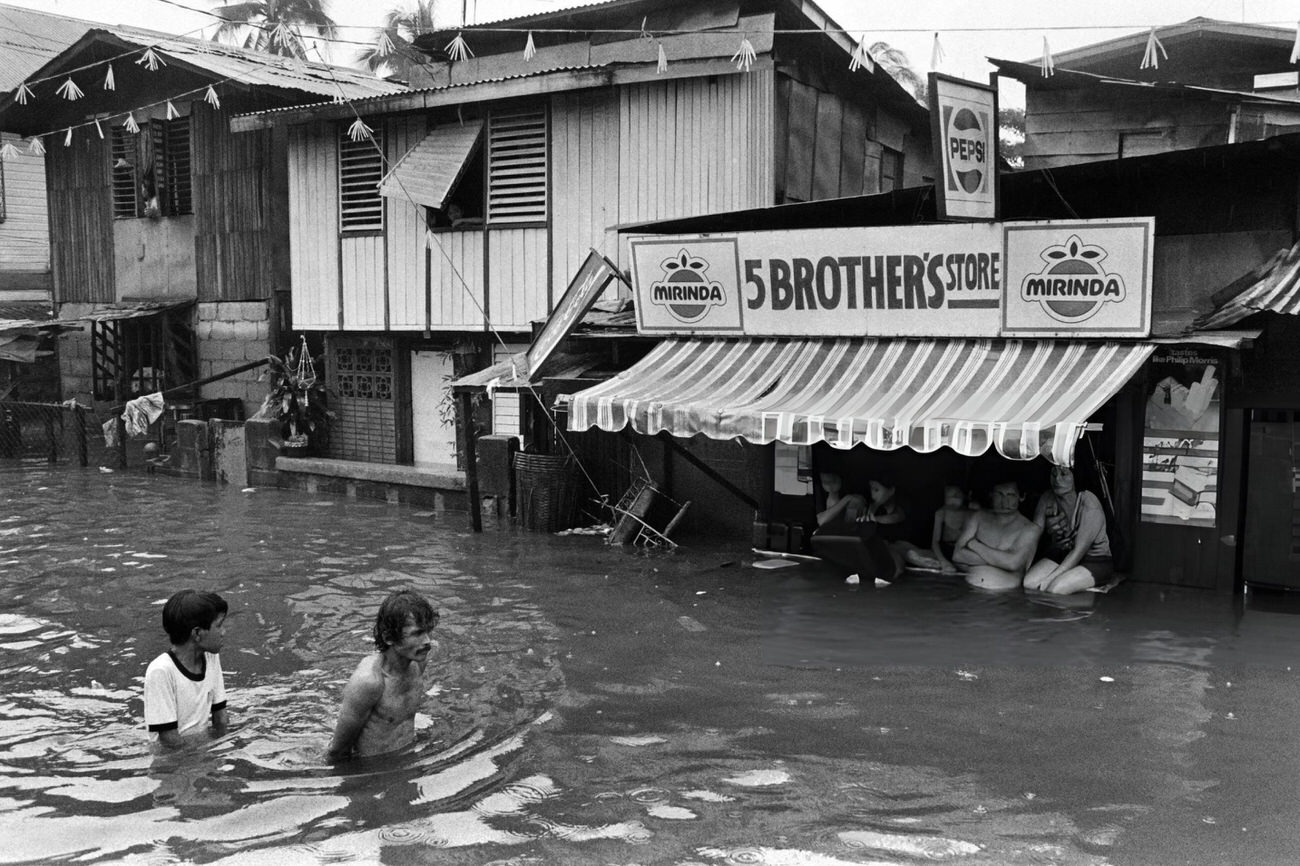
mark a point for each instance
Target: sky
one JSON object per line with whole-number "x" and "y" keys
{"x": 968, "y": 31}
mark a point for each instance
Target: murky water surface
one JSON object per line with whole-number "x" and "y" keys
{"x": 594, "y": 706}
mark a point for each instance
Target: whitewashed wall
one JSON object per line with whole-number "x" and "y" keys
{"x": 585, "y": 133}
{"x": 314, "y": 227}
{"x": 25, "y": 233}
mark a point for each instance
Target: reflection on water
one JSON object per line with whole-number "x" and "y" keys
{"x": 591, "y": 706}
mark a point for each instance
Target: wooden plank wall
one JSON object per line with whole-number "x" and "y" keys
{"x": 313, "y": 226}
{"x": 456, "y": 280}
{"x": 584, "y": 181}
{"x": 695, "y": 146}
{"x": 231, "y": 176}
{"x": 517, "y": 284}
{"x": 25, "y": 231}
{"x": 362, "y": 270}
{"x": 81, "y": 221}
{"x": 404, "y": 223}
{"x": 1082, "y": 125}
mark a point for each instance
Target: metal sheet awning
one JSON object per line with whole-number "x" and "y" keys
{"x": 1024, "y": 398}
{"x": 133, "y": 311}
{"x": 1273, "y": 287}
{"x": 429, "y": 172}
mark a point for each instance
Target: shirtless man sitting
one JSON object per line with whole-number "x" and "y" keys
{"x": 997, "y": 544}
{"x": 380, "y": 701}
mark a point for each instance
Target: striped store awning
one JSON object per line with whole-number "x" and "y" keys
{"x": 1272, "y": 287}
{"x": 1022, "y": 397}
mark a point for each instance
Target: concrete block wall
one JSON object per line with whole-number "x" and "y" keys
{"x": 231, "y": 333}
{"x": 74, "y": 356}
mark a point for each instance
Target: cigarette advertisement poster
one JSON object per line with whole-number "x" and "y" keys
{"x": 1180, "y": 450}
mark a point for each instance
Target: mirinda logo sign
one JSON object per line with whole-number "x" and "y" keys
{"x": 687, "y": 285}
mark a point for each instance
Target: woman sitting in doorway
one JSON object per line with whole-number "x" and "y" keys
{"x": 1079, "y": 555}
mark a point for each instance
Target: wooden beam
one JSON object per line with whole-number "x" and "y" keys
{"x": 709, "y": 471}
{"x": 471, "y": 462}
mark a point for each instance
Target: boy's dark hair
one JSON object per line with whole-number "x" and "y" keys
{"x": 392, "y": 615}
{"x": 190, "y": 609}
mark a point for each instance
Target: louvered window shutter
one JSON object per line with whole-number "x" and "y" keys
{"x": 517, "y": 157}
{"x": 361, "y": 167}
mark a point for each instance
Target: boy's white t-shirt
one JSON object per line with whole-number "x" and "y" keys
{"x": 175, "y": 699}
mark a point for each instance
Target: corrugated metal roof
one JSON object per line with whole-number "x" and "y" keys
{"x": 1068, "y": 78}
{"x": 1272, "y": 287}
{"x": 429, "y": 171}
{"x": 29, "y": 39}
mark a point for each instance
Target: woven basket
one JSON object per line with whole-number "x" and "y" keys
{"x": 548, "y": 491}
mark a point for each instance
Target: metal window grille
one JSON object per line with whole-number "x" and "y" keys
{"x": 141, "y": 355}
{"x": 517, "y": 156}
{"x": 361, "y": 167}
{"x": 177, "y": 190}
{"x": 124, "y": 156}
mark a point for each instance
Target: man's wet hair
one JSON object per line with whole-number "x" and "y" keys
{"x": 190, "y": 609}
{"x": 393, "y": 614}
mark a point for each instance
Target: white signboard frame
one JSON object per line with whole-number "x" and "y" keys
{"x": 964, "y": 131}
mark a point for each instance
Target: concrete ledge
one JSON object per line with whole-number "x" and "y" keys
{"x": 442, "y": 477}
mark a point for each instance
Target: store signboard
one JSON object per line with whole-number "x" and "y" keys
{"x": 949, "y": 280}
{"x": 964, "y": 132}
{"x": 1084, "y": 278}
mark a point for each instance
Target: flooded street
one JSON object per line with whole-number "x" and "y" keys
{"x": 591, "y": 705}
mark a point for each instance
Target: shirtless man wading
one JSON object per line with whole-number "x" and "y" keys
{"x": 997, "y": 545}
{"x": 381, "y": 699}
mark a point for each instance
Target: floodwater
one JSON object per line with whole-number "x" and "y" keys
{"x": 590, "y": 705}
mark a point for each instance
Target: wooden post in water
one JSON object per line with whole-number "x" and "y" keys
{"x": 79, "y": 428}
{"x": 471, "y": 461}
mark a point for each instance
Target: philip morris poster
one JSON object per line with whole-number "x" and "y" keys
{"x": 1180, "y": 445}
{"x": 1084, "y": 278}
{"x": 964, "y": 121}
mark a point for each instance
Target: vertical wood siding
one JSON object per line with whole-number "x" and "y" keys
{"x": 363, "y": 282}
{"x": 313, "y": 227}
{"x": 231, "y": 183}
{"x": 517, "y": 277}
{"x": 404, "y": 223}
{"x": 584, "y": 182}
{"x": 25, "y": 232}
{"x": 694, "y": 146}
{"x": 81, "y": 221}
{"x": 456, "y": 280}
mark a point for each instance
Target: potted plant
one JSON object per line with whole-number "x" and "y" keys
{"x": 297, "y": 399}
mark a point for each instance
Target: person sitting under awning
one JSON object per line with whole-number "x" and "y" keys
{"x": 998, "y": 543}
{"x": 1079, "y": 556}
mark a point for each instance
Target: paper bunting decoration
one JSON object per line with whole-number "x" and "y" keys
{"x": 530, "y": 49}
{"x": 458, "y": 48}
{"x": 936, "y": 53}
{"x": 99, "y": 128}
{"x": 1155, "y": 50}
{"x": 745, "y": 55}
{"x": 384, "y": 45}
{"x": 662, "y": 66}
{"x": 67, "y": 139}
{"x": 172, "y": 113}
{"x": 129, "y": 124}
{"x": 1295, "y": 49}
{"x": 151, "y": 61}
{"x": 24, "y": 93}
{"x": 861, "y": 57}
{"x": 358, "y": 131}
{"x": 37, "y": 147}
{"x": 337, "y": 99}
{"x": 69, "y": 90}
{"x": 282, "y": 35}
{"x": 645, "y": 34}
{"x": 211, "y": 97}
{"x": 110, "y": 83}
{"x": 8, "y": 151}
{"x": 1047, "y": 65}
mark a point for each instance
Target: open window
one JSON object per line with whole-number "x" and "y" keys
{"x": 141, "y": 350}
{"x": 151, "y": 169}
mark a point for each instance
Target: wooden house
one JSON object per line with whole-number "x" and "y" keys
{"x": 167, "y": 232}
{"x": 1216, "y": 82}
{"x": 431, "y": 245}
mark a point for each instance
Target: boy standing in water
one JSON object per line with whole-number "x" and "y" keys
{"x": 380, "y": 701}
{"x": 185, "y": 687}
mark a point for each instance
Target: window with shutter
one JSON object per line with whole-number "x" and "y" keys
{"x": 178, "y": 197}
{"x": 123, "y": 155}
{"x": 361, "y": 168}
{"x": 517, "y": 156}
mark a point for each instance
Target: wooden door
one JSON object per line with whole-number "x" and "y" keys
{"x": 1272, "y": 533}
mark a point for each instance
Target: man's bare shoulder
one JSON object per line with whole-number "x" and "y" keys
{"x": 369, "y": 675}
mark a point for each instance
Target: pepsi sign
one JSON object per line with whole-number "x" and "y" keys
{"x": 964, "y": 125}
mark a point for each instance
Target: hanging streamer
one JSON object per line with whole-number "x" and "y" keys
{"x": 211, "y": 97}
{"x": 358, "y": 131}
{"x": 1155, "y": 50}
{"x": 8, "y": 151}
{"x": 458, "y": 49}
{"x": 1048, "y": 65}
{"x": 37, "y": 147}
{"x": 745, "y": 55}
{"x": 1295, "y": 49}
{"x": 110, "y": 83}
{"x": 129, "y": 124}
{"x": 172, "y": 113}
{"x": 24, "y": 93}
{"x": 530, "y": 49}
{"x": 384, "y": 46}
{"x": 67, "y": 139}
{"x": 151, "y": 61}
{"x": 662, "y": 66}
{"x": 936, "y": 53}
{"x": 282, "y": 35}
{"x": 861, "y": 56}
{"x": 69, "y": 90}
